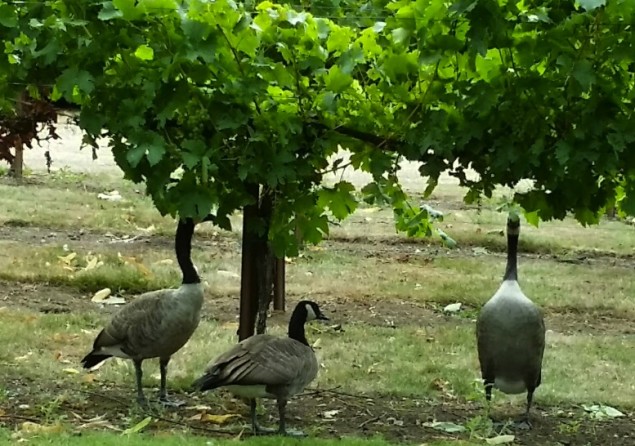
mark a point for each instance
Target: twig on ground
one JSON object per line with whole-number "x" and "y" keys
{"x": 154, "y": 414}
{"x": 370, "y": 420}
{"x": 20, "y": 417}
{"x": 334, "y": 392}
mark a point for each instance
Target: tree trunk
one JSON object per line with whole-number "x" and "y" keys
{"x": 265, "y": 262}
{"x": 18, "y": 162}
{"x": 248, "y": 282}
{"x": 279, "y": 284}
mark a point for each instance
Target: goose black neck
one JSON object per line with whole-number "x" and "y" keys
{"x": 296, "y": 325}
{"x": 511, "y": 272}
{"x": 183, "y": 247}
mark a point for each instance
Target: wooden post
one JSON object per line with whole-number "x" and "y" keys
{"x": 279, "y": 284}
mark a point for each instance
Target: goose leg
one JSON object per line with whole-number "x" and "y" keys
{"x": 141, "y": 399}
{"x": 488, "y": 396}
{"x": 523, "y": 422}
{"x": 256, "y": 428}
{"x": 282, "y": 430}
{"x": 163, "y": 392}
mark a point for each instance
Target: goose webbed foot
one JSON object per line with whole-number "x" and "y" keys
{"x": 163, "y": 393}
{"x": 282, "y": 429}
{"x": 142, "y": 400}
{"x": 256, "y": 428}
{"x": 524, "y": 425}
{"x": 261, "y": 430}
{"x": 168, "y": 403}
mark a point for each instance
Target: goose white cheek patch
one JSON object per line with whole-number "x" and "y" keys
{"x": 310, "y": 314}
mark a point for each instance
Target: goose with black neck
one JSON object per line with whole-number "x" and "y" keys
{"x": 156, "y": 324}
{"x": 510, "y": 332}
{"x": 265, "y": 366}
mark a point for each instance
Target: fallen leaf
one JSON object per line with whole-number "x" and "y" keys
{"x": 143, "y": 270}
{"x": 453, "y": 308}
{"x": 101, "y": 295}
{"x": 165, "y": 262}
{"x": 114, "y": 300}
{"x": 34, "y": 428}
{"x": 501, "y": 439}
{"x": 218, "y": 419}
{"x": 71, "y": 371}
{"x": 68, "y": 258}
{"x": 110, "y": 196}
{"x": 199, "y": 408}
{"x": 91, "y": 264}
{"x": 479, "y": 250}
{"x": 232, "y": 325}
{"x": 600, "y": 411}
{"x": 445, "y": 426}
{"x": 331, "y": 413}
{"x": 139, "y": 426}
{"x": 212, "y": 418}
{"x": 88, "y": 378}
{"x": 23, "y": 357}
{"x": 148, "y": 230}
{"x": 2, "y": 412}
{"x": 228, "y": 274}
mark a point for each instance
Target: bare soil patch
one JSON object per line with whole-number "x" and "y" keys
{"x": 371, "y": 310}
{"x": 327, "y": 413}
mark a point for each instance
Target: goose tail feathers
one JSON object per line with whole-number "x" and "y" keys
{"x": 93, "y": 359}
{"x": 208, "y": 381}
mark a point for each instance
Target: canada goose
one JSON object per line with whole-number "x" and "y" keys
{"x": 156, "y": 324}
{"x": 265, "y": 366}
{"x": 510, "y": 333}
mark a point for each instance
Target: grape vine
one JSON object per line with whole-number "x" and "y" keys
{"x": 201, "y": 100}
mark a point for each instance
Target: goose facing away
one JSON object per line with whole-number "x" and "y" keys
{"x": 156, "y": 324}
{"x": 265, "y": 366}
{"x": 510, "y": 333}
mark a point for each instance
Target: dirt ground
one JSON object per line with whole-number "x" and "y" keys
{"x": 398, "y": 419}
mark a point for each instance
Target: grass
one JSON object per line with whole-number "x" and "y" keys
{"x": 408, "y": 361}
{"x": 386, "y": 293}
{"x": 105, "y": 439}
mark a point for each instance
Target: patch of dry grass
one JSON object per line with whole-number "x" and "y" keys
{"x": 433, "y": 362}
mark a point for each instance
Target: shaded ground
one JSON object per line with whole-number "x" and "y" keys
{"x": 327, "y": 413}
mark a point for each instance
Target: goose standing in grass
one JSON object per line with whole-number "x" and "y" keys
{"x": 510, "y": 333}
{"x": 265, "y": 366}
{"x": 156, "y": 324}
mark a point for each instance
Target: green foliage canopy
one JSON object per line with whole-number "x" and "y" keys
{"x": 202, "y": 99}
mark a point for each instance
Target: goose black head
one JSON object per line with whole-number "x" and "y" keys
{"x": 312, "y": 311}
{"x": 513, "y": 223}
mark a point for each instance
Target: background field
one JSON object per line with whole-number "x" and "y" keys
{"x": 392, "y": 361}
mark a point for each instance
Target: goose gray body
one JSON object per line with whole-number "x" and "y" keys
{"x": 156, "y": 324}
{"x": 265, "y": 366}
{"x": 249, "y": 367}
{"x": 511, "y": 340}
{"x": 510, "y": 332}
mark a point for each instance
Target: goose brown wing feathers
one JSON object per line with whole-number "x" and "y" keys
{"x": 263, "y": 359}
{"x": 135, "y": 321}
